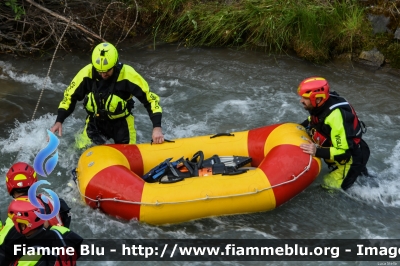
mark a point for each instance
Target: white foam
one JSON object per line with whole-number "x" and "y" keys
{"x": 384, "y": 187}
{"x": 35, "y": 81}
{"x": 173, "y": 82}
{"x": 27, "y": 138}
{"x": 240, "y": 106}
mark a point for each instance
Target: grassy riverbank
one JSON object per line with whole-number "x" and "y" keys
{"x": 316, "y": 30}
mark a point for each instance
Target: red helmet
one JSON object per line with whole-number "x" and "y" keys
{"x": 314, "y": 87}
{"x": 21, "y": 211}
{"x": 20, "y": 175}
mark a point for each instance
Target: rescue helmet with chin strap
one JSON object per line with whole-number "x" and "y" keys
{"x": 104, "y": 57}
{"x": 313, "y": 88}
{"x": 22, "y": 212}
{"x": 20, "y": 176}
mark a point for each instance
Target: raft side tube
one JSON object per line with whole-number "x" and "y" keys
{"x": 256, "y": 143}
{"x": 289, "y": 181}
{"x": 285, "y": 161}
{"x": 94, "y": 160}
{"x": 119, "y": 183}
{"x": 133, "y": 155}
{"x": 206, "y": 196}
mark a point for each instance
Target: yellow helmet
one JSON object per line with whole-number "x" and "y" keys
{"x": 104, "y": 57}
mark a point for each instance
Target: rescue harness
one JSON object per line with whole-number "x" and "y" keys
{"x": 107, "y": 105}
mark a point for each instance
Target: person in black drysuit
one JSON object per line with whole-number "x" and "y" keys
{"x": 336, "y": 132}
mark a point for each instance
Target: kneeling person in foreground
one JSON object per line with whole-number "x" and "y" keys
{"x": 336, "y": 132}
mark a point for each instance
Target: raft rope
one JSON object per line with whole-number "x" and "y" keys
{"x": 48, "y": 71}
{"x": 256, "y": 191}
{"x": 62, "y": 36}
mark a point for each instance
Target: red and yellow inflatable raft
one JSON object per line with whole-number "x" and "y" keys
{"x": 109, "y": 176}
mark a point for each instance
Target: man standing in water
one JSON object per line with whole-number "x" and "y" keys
{"x": 336, "y": 132}
{"x": 107, "y": 87}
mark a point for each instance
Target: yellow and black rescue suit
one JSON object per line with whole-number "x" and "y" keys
{"x": 109, "y": 104}
{"x": 337, "y": 131}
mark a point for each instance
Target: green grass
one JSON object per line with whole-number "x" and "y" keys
{"x": 314, "y": 29}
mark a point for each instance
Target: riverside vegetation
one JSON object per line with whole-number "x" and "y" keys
{"x": 316, "y": 30}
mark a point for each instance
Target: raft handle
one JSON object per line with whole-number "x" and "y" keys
{"x": 98, "y": 199}
{"x": 165, "y": 140}
{"x": 222, "y": 134}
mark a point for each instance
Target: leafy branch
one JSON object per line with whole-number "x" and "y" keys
{"x": 17, "y": 9}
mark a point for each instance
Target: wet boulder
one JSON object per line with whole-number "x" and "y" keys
{"x": 372, "y": 58}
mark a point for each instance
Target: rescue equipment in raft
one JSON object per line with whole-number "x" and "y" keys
{"x": 171, "y": 172}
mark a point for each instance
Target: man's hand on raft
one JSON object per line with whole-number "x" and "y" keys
{"x": 309, "y": 148}
{"x": 157, "y": 136}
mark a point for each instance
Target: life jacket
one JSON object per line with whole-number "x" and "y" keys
{"x": 49, "y": 207}
{"x": 64, "y": 260}
{"x": 61, "y": 260}
{"x": 106, "y": 104}
{"x": 321, "y": 133}
{"x": 7, "y": 227}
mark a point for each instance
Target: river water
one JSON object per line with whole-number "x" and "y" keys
{"x": 208, "y": 91}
